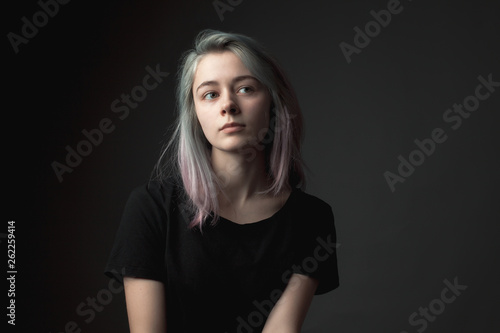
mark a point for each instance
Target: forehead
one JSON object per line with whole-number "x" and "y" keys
{"x": 219, "y": 66}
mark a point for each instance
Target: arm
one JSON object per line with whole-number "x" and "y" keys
{"x": 146, "y": 306}
{"x": 290, "y": 311}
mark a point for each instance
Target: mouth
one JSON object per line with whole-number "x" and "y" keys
{"x": 228, "y": 127}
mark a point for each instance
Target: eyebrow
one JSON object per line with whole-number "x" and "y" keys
{"x": 236, "y": 79}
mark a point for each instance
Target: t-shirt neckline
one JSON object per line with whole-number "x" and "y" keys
{"x": 263, "y": 221}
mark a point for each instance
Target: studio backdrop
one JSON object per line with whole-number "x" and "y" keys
{"x": 401, "y": 104}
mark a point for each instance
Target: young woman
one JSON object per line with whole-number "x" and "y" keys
{"x": 224, "y": 239}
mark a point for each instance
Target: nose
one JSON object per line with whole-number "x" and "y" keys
{"x": 229, "y": 106}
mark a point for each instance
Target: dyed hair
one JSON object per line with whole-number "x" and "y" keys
{"x": 190, "y": 152}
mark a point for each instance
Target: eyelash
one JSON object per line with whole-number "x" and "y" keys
{"x": 211, "y": 92}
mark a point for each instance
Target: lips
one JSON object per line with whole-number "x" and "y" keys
{"x": 232, "y": 125}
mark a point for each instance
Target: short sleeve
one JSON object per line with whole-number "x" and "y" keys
{"x": 317, "y": 254}
{"x": 139, "y": 245}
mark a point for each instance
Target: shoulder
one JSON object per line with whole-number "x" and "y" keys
{"x": 310, "y": 202}
{"x": 312, "y": 214}
{"x": 155, "y": 193}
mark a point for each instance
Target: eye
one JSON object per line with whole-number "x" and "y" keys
{"x": 210, "y": 95}
{"x": 245, "y": 90}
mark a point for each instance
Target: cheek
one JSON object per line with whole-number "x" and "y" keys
{"x": 262, "y": 110}
{"x": 264, "y": 120}
{"x": 203, "y": 122}
{"x": 206, "y": 121}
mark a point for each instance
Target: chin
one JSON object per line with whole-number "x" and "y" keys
{"x": 240, "y": 148}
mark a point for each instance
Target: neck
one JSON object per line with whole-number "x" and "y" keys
{"x": 241, "y": 177}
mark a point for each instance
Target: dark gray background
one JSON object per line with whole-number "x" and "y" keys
{"x": 397, "y": 247}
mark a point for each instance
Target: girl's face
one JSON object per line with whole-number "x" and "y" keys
{"x": 232, "y": 106}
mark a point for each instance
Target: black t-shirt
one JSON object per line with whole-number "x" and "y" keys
{"x": 227, "y": 278}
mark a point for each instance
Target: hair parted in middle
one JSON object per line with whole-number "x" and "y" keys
{"x": 190, "y": 151}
